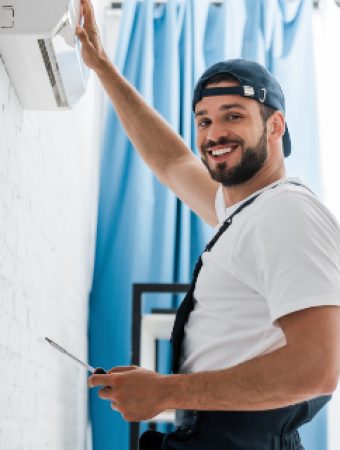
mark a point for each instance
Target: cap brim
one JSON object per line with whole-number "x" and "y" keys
{"x": 287, "y": 147}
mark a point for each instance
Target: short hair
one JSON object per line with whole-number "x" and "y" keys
{"x": 265, "y": 111}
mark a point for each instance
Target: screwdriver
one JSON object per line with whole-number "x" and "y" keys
{"x": 82, "y": 363}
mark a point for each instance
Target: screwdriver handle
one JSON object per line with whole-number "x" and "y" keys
{"x": 100, "y": 370}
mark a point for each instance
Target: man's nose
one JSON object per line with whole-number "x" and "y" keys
{"x": 216, "y": 131}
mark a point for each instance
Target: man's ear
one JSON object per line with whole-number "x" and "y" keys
{"x": 276, "y": 125}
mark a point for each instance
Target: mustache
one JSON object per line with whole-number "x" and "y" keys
{"x": 221, "y": 141}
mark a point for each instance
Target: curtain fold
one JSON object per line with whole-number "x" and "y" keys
{"x": 144, "y": 233}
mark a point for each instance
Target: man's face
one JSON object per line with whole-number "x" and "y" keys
{"x": 231, "y": 136}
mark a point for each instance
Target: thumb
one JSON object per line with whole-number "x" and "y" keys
{"x": 82, "y": 35}
{"x": 122, "y": 369}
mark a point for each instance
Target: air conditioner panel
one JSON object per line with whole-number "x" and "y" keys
{"x": 73, "y": 72}
{"x": 29, "y": 79}
{"x": 43, "y": 60}
{"x": 35, "y": 17}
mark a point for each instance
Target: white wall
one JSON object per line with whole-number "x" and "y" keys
{"x": 48, "y": 205}
{"x": 327, "y": 54}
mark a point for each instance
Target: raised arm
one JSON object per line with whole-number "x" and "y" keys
{"x": 162, "y": 149}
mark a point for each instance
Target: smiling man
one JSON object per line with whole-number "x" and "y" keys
{"x": 256, "y": 339}
{"x": 216, "y": 149}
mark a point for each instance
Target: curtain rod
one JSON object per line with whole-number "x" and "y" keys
{"x": 318, "y": 3}
{"x": 118, "y": 5}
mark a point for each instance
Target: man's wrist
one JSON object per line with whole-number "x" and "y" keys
{"x": 103, "y": 65}
{"x": 174, "y": 389}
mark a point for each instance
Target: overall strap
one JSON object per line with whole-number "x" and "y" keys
{"x": 188, "y": 302}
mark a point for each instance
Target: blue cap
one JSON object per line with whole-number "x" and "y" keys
{"x": 255, "y": 82}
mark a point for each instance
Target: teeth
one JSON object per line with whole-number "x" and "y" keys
{"x": 221, "y": 151}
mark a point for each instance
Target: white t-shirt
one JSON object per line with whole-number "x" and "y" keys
{"x": 281, "y": 254}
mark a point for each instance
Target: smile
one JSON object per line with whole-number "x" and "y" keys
{"x": 221, "y": 151}
{"x": 218, "y": 152}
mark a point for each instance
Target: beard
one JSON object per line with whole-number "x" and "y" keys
{"x": 251, "y": 162}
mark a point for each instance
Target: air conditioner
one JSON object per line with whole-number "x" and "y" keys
{"x": 41, "y": 53}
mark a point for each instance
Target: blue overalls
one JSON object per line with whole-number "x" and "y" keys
{"x": 274, "y": 429}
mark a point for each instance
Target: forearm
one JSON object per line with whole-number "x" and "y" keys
{"x": 307, "y": 367}
{"x": 275, "y": 380}
{"x": 159, "y": 145}
{"x": 162, "y": 149}
{"x": 156, "y": 142}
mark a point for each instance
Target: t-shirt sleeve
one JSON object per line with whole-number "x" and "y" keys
{"x": 290, "y": 253}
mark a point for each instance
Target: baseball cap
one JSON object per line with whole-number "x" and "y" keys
{"x": 255, "y": 82}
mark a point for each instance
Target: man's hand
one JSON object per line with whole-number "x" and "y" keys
{"x": 138, "y": 394}
{"x": 92, "y": 50}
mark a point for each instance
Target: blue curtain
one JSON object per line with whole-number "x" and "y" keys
{"x": 144, "y": 233}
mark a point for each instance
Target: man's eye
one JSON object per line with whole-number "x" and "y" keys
{"x": 203, "y": 123}
{"x": 233, "y": 116}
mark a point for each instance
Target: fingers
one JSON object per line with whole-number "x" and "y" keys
{"x": 82, "y": 35}
{"x": 98, "y": 380}
{"x": 106, "y": 394}
{"x": 89, "y": 21}
{"x": 114, "y": 406}
{"x": 103, "y": 379}
{"x": 122, "y": 369}
{"x": 81, "y": 11}
{"x": 108, "y": 379}
{"x": 88, "y": 34}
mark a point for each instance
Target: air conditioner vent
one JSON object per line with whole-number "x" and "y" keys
{"x": 52, "y": 70}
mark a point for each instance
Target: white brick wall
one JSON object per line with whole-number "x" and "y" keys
{"x": 48, "y": 195}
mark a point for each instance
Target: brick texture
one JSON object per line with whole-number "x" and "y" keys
{"x": 48, "y": 203}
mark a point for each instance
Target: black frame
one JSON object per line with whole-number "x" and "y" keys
{"x": 138, "y": 289}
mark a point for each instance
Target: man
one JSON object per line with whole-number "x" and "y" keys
{"x": 256, "y": 349}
